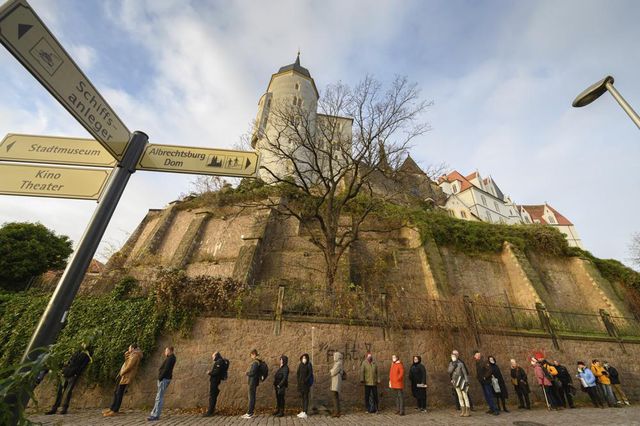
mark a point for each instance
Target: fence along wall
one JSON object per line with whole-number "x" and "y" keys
{"x": 234, "y": 338}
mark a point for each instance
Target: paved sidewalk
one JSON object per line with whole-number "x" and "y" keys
{"x": 539, "y": 417}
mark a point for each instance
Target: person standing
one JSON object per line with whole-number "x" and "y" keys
{"x": 396, "y": 383}
{"x": 336, "y": 372}
{"x": 503, "y": 394}
{"x": 304, "y": 377}
{"x": 70, "y": 375}
{"x": 418, "y": 378}
{"x": 460, "y": 380}
{"x": 614, "y": 376}
{"x": 165, "y": 374}
{"x": 589, "y": 383}
{"x": 217, "y": 374}
{"x": 128, "y": 371}
{"x": 604, "y": 383}
{"x": 483, "y": 374}
{"x": 544, "y": 380}
{"x": 520, "y": 384}
{"x": 280, "y": 383}
{"x": 253, "y": 380}
{"x": 369, "y": 377}
{"x": 566, "y": 389}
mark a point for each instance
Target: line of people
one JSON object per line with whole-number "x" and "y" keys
{"x": 600, "y": 381}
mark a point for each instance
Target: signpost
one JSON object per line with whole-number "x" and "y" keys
{"x": 54, "y": 182}
{"x": 54, "y": 150}
{"x": 184, "y": 159}
{"x": 30, "y": 41}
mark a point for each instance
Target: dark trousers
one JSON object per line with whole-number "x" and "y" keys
{"x": 371, "y": 398}
{"x": 252, "y": 399}
{"x": 592, "y": 391}
{"x": 214, "y": 391}
{"x": 551, "y": 396}
{"x": 421, "y": 398}
{"x": 399, "y": 394}
{"x": 336, "y": 403}
{"x": 67, "y": 386}
{"x": 304, "y": 393}
{"x": 117, "y": 397}
{"x": 523, "y": 397}
{"x": 565, "y": 395}
{"x": 280, "y": 399}
{"x": 487, "y": 391}
{"x": 499, "y": 397}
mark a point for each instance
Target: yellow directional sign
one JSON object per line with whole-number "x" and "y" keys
{"x": 28, "y": 39}
{"x": 184, "y": 159}
{"x": 54, "y": 182}
{"x": 54, "y": 150}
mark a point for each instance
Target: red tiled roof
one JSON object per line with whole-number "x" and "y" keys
{"x": 537, "y": 213}
{"x": 456, "y": 176}
{"x": 472, "y": 175}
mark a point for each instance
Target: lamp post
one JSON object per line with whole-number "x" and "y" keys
{"x": 594, "y": 91}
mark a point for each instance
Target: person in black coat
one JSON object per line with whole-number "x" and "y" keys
{"x": 280, "y": 383}
{"x": 165, "y": 374}
{"x": 503, "y": 394}
{"x": 520, "y": 384}
{"x": 70, "y": 375}
{"x": 304, "y": 378}
{"x": 565, "y": 392}
{"x": 418, "y": 378}
{"x": 216, "y": 375}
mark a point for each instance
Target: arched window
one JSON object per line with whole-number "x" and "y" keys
{"x": 297, "y": 86}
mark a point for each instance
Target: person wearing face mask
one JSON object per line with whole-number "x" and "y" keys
{"x": 502, "y": 394}
{"x": 304, "y": 377}
{"x": 369, "y": 377}
{"x": 588, "y": 382}
{"x": 460, "y": 381}
{"x": 396, "y": 383}
{"x": 520, "y": 384}
{"x": 418, "y": 378}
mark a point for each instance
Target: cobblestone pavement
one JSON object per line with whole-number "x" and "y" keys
{"x": 539, "y": 417}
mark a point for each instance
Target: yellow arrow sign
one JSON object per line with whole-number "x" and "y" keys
{"x": 184, "y": 159}
{"x": 55, "y": 182}
{"x": 28, "y": 39}
{"x": 54, "y": 150}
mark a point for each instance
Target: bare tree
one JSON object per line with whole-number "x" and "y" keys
{"x": 436, "y": 170}
{"x": 337, "y": 158}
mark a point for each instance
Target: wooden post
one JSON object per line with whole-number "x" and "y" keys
{"x": 611, "y": 328}
{"x": 385, "y": 317}
{"x": 545, "y": 321}
{"x": 279, "y": 307}
{"x": 470, "y": 313}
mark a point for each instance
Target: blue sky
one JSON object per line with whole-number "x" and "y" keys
{"x": 502, "y": 75}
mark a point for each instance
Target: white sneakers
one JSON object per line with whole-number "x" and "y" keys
{"x": 302, "y": 415}
{"x": 246, "y": 416}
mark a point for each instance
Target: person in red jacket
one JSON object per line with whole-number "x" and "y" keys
{"x": 396, "y": 383}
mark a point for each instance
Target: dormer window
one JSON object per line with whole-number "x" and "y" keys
{"x": 454, "y": 187}
{"x": 552, "y": 219}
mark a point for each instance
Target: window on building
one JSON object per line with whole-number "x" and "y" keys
{"x": 269, "y": 103}
{"x": 495, "y": 203}
{"x": 454, "y": 187}
{"x": 489, "y": 217}
{"x": 526, "y": 219}
{"x": 484, "y": 200}
{"x": 552, "y": 219}
{"x": 297, "y": 86}
{"x": 463, "y": 214}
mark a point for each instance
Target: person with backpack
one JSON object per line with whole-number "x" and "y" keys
{"x": 556, "y": 386}
{"x": 614, "y": 376}
{"x": 70, "y": 375}
{"x": 588, "y": 382}
{"x": 418, "y": 379}
{"x": 396, "y": 383}
{"x": 566, "y": 390}
{"x": 304, "y": 377}
{"x": 460, "y": 380}
{"x": 165, "y": 374}
{"x": 500, "y": 391}
{"x": 256, "y": 374}
{"x": 544, "y": 380}
{"x": 604, "y": 383}
{"x": 520, "y": 384}
{"x": 337, "y": 374}
{"x": 370, "y": 379}
{"x": 280, "y": 383}
{"x": 218, "y": 373}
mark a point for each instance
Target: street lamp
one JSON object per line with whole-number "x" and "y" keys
{"x": 594, "y": 91}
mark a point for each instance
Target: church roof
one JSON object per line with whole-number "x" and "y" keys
{"x": 410, "y": 166}
{"x": 295, "y": 67}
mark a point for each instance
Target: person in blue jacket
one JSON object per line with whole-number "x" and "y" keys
{"x": 588, "y": 382}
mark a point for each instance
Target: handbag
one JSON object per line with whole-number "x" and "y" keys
{"x": 344, "y": 375}
{"x": 495, "y": 384}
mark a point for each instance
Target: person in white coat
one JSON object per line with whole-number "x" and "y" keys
{"x": 337, "y": 372}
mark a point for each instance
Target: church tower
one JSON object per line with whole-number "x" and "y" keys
{"x": 291, "y": 85}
